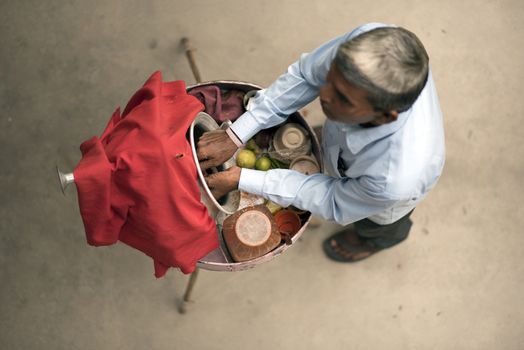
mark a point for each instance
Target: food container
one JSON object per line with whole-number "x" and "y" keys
{"x": 290, "y": 136}
{"x": 305, "y": 164}
{"x": 290, "y": 141}
{"x": 250, "y": 233}
{"x": 220, "y": 259}
{"x": 288, "y": 222}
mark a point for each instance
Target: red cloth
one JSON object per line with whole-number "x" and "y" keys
{"x": 137, "y": 183}
{"x": 221, "y": 106}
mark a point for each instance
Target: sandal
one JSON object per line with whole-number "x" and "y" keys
{"x": 347, "y": 247}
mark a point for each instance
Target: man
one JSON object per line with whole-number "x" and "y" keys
{"x": 383, "y": 140}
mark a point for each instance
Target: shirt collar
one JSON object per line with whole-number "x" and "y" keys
{"x": 358, "y": 137}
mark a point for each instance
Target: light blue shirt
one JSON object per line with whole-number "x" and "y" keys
{"x": 390, "y": 168}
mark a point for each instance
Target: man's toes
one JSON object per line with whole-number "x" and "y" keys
{"x": 361, "y": 255}
{"x": 346, "y": 254}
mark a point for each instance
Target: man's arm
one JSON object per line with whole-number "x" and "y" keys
{"x": 342, "y": 200}
{"x": 271, "y": 106}
{"x": 290, "y": 92}
{"x": 293, "y": 89}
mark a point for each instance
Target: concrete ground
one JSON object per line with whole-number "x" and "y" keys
{"x": 457, "y": 283}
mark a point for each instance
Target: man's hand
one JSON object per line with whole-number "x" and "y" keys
{"x": 214, "y": 148}
{"x": 224, "y": 181}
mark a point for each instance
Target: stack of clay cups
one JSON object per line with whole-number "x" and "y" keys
{"x": 291, "y": 141}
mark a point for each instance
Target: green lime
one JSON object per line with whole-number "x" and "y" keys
{"x": 263, "y": 163}
{"x": 246, "y": 159}
{"x": 273, "y": 207}
{"x": 252, "y": 145}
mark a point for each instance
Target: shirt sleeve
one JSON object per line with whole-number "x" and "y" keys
{"x": 343, "y": 200}
{"x": 293, "y": 89}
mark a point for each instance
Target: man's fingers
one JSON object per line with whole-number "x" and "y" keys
{"x": 214, "y": 148}
{"x": 201, "y": 154}
{"x": 206, "y": 164}
{"x": 210, "y": 137}
{"x": 204, "y": 159}
{"x": 223, "y": 182}
{"x": 211, "y": 181}
{"x": 217, "y": 194}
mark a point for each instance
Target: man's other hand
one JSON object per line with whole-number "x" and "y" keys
{"x": 214, "y": 148}
{"x": 224, "y": 181}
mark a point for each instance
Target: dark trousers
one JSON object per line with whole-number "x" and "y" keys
{"x": 383, "y": 236}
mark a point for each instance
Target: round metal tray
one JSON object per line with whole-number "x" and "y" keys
{"x": 219, "y": 259}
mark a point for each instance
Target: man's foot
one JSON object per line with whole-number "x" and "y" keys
{"x": 345, "y": 246}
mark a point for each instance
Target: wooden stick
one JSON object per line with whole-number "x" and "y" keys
{"x": 189, "y": 54}
{"x": 189, "y": 290}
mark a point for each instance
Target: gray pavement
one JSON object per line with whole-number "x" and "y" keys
{"x": 457, "y": 283}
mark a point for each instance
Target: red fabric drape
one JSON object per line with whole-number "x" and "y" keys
{"x": 220, "y": 105}
{"x": 137, "y": 183}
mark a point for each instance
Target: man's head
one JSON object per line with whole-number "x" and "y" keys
{"x": 375, "y": 76}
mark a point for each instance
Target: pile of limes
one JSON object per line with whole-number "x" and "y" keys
{"x": 253, "y": 157}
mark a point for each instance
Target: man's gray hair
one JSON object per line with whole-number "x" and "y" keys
{"x": 389, "y": 63}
